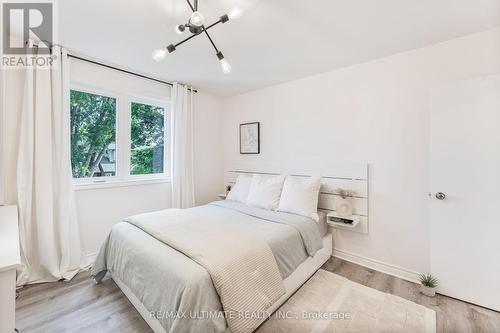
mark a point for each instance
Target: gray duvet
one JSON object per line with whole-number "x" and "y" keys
{"x": 178, "y": 291}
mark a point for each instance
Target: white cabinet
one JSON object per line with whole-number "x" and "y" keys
{"x": 9, "y": 260}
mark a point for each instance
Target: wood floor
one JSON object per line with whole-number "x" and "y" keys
{"x": 452, "y": 315}
{"x": 81, "y": 306}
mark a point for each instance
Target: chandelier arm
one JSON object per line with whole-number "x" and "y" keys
{"x": 190, "y": 5}
{"x": 221, "y": 20}
{"x": 205, "y": 30}
{"x": 210, "y": 39}
{"x": 212, "y": 25}
{"x": 185, "y": 40}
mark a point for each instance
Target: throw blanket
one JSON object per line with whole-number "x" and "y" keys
{"x": 242, "y": 266}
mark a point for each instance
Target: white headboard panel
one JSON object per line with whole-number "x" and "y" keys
{"x": 347, "y": 176}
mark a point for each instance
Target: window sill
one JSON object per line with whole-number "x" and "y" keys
{"x": 118, "y": 183}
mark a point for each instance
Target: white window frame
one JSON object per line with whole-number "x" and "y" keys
{"x": 123, "y": 141}
{"x": 166, "y": 137}
{"x": 105, "y": 93}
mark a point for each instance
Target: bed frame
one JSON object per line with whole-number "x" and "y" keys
{"x": 292, "y": 283}
{"x": 347, "y": 176}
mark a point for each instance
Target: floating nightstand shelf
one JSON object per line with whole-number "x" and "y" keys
{"x": 336, "y": 221}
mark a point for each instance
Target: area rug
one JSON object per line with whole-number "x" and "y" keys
{"x": 331, "y": 303}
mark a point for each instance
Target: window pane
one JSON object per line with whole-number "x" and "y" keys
{"x": 93, "y": 135}
{"x": 147, "y": 148}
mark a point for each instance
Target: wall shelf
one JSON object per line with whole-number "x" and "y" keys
{"x": 336, "y": 221}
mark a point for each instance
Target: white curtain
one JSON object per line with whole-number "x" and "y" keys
{"x": 49, "y": 235}
{"x": 182, "y": 164}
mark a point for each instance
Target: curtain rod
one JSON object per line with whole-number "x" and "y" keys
{"x": 124, "y": 70}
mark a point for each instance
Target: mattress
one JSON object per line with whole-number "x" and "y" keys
{"x": 173, "y": 287}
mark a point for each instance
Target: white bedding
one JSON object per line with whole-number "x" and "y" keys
{"x": 241, "y": 265}
{"x": 167, "y": 281}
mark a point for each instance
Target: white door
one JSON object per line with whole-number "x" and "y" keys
{"x": 465, "y": 167}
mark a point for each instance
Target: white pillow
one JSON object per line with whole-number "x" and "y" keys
{"x": 239, "y": 191}
{"x": 265, "y": 192}
{"x": 300, "y": 196}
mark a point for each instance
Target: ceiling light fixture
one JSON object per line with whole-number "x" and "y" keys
{"x": 196, "y": 26}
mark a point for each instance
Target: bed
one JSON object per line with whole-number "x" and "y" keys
{"x": 174, "y": 292}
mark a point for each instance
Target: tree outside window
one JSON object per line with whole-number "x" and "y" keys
{"x": 147, "y": 139}
{"x": 93, "y": 135}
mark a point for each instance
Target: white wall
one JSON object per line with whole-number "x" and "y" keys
{"x": 208, "y": 148}
{"x": 99, "y": 209}
{"x": 376, "y": 112}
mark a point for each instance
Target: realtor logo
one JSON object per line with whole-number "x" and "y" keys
{"x": 27, "y": 21}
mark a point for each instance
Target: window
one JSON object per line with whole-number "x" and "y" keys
{"x": 147, "y": 139}
{"x": 93, "y": 135}
{"x": 117, "y": 138}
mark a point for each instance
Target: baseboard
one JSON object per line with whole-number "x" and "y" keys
{"x": 393, "y": 270}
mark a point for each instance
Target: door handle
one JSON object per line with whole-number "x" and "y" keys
{"x": 440, "y": 196}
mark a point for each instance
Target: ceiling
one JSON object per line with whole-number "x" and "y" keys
{"x": 275, "y": 40}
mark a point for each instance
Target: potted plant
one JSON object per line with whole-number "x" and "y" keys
{"x": 429, "y": 284}
{"x": 344, "y": 207}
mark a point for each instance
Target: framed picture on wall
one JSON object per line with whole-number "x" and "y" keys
{"x": 250, "y": 138}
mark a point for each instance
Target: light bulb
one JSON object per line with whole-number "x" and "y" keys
{"x": 235, "y": 13}
{"x": 197, "y": 19}
{"x": 226, "y": 67}
{"x": 179, "y": 29}
{"x": 159, "y": 54}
